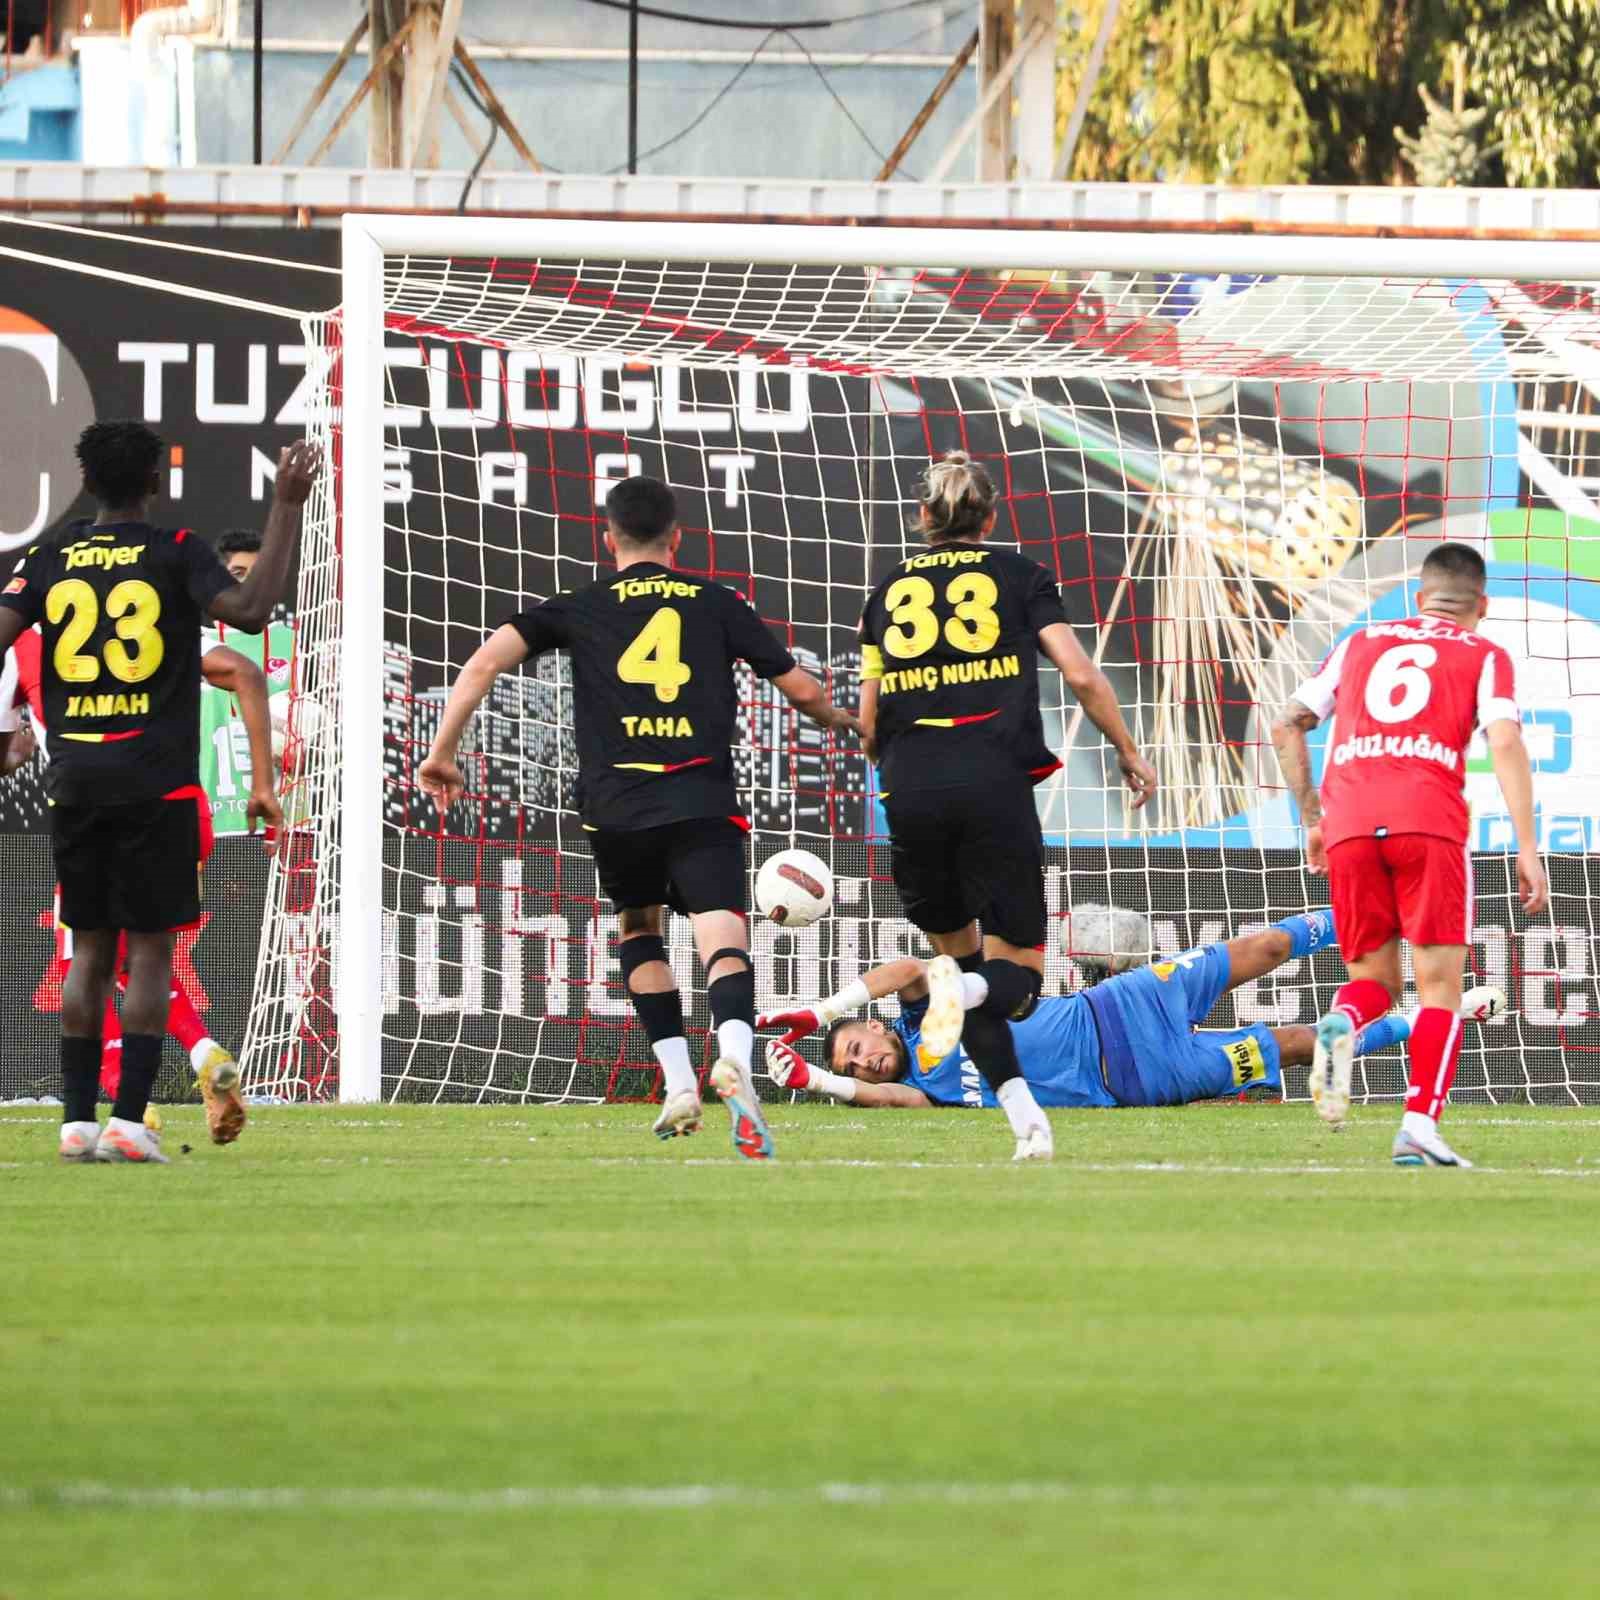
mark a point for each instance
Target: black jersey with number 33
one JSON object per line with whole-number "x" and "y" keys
{"x": 951, "y": 636}
{"x": 654, "y": 696}
{"x": 120, "y": 607}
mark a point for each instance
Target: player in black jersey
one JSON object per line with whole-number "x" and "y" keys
{"x": 119, "y": 605}
{"x": 950, "y": 642}
{"x": 654, "y": 702}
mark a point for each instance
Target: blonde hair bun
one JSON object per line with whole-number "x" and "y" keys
{"x": 957, "y": 497}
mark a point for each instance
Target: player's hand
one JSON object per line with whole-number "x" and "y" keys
{"x": 844, "y": 721}
{"x": 1316, "y": 851}
{"x": 786, "y": 1066}
{"x": 1533, "y": 887}
{"x": 1140, "y": 778}
{"x": 796, "y": 1023}
{"x": 263, "y": 807}
{"x": 299, "y": 465}
{"x": 441, "y": 781}
{"x": 23, "y": 748}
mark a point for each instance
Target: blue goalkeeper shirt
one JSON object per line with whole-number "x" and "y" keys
{"x": 1058, "y": 1048}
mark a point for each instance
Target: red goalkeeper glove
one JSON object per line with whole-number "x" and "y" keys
{"x": 786, "y": 1066}
{"x": 796, "y": 1023}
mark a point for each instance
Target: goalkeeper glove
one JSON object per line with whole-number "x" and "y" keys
{"x": 801, "y": 1020}
{"x": 787, "y": 1068}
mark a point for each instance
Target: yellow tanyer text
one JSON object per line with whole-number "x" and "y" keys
{"x": 99, "y": 555}
{"x": 946, "y": 558}
{"x": 633, "y": 588}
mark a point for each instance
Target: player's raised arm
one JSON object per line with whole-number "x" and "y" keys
{"x": 239, "y": 676}
{"x": 751, "y": 640}
{"x": 1092, "y": 690}
{"x": 504, "y": 650}
{"x": 906, "y": 977}
{"x": 1289, "y": 732}
{"x": 247, "y": 605}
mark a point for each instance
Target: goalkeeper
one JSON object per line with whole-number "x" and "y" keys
{"x": 1132, "y": 1040}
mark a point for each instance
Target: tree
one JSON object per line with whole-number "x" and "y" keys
{"x": 1249, "y": 91}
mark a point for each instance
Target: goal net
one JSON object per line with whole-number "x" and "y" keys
{"x": 1226, "y": 458}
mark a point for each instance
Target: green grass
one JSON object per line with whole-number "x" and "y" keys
{"x": 1273, "y": 1366}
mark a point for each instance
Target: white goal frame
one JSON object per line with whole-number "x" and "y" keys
{"x": 369, "y": 238}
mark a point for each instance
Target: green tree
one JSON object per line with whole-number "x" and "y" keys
{"x": 1249, "y": 91}
{"x": 1533, "y": 64}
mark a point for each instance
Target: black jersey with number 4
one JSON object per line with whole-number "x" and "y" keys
{"x": 951, "y": 636}
{"x": 653, "y": 690}
{"x": 120, "y": 607}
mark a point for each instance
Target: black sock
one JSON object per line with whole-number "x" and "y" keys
{"x": 660, "y": 1015}
{"x": 987, "y": 1039}
{"x": 80, "y": 1079}
{"x": 971, "y": 963}
{"x": 1012, "y": 988}
{"x": 733, "y": 998}
{"x": 141, "y": 1061}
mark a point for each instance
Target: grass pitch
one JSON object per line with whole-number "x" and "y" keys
{"x": 463, "y": 1354}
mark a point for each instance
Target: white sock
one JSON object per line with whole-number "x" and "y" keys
{"x": 202, "y": 1049}
{"x": 1419, "y": 1125}
{"x": 734, "y": 1040}
{"x": 1021, "y": 1109}
{"x": 676, "y": 1068}
{"x": 974, "y": 990}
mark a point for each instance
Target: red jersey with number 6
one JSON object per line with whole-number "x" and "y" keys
{"x": 1406, "y": 698}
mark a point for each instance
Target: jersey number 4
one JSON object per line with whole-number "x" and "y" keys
{"x": 1398, "y": 685}
{"x": 656, "y": 656}
{"x": 974, "y": 625}
{"x": 136, "y": 609}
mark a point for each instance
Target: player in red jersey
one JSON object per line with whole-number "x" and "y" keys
{"x": 223, "y": 668}
{"x": 1390, "y": 827}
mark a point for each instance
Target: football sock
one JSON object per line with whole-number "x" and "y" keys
{"x": 974, "y": 990}
{"x": 970, "y": 963}
{"x": 1363, "y": 1000}
{"x": 733, "y": 1011}
{"x": 199, "y": 1050}
{"x": 80, "y": 1079}
{"x": 1435, "y": 1049}
{"x": 111, "y": 1050}
{"x": 1021, "y": 1109}
{"x": 1379, "y": 1035}
{"x": 183, "y": 1021}
{"x": 987, "y": 1039}
{"x": 1312, "y": 931}
{"x": 677, "y": 1072}
{"x": 659, "y": 1014}
{"x": 141, "y": 1061}
{"x": 1012, "y": 988}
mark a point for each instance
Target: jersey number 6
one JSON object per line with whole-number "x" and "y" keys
{"x": 136, "y": 609}
{"x": 656, "y": 656}
{"x": 1398, "y": 686}
{"x": 974, "y": 627}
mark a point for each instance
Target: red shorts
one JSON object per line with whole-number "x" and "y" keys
{"x": 1408, "y": 885}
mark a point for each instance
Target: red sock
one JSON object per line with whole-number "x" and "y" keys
{"x": 111, "y": 1050}
{"x": 1435, "y": 1049}
{"x": 1363, "y": 1000}
{"x": 183, "y": 1021}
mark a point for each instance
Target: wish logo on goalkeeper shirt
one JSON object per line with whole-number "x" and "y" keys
{"x": 951, "y": 638}
{"x": 654, "y": 701}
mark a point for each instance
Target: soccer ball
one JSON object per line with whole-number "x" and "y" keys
{"x": 794, "y": 888}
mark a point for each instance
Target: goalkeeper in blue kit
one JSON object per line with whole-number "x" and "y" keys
{"x": 1132, "y": 1040}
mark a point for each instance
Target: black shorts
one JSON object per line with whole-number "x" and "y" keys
{"x": 696, "y": 865}
{"x": 974, "y": 851}
{"x": 134, "y": 867}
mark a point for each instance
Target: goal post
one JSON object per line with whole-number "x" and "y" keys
{"x": 1226, "y": 446}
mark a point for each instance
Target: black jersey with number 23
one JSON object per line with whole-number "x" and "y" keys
{"x": 120, "y": 607}
{"x": 952, "y": 638}
{"x": 653, "y": 690}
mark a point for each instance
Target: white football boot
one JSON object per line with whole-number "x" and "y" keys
{"x": 1482, "y": 1003}
{"x": 132, "y": 1142}
{"x": 1331, "y": 1065}
{"x": 1037, "y": 1144}
{"x": 751, "y": 1136}
{"x": 680, "y": 1114}
{"x": 946, "y": 1015}
{"x": 78, "y": 1140}
{"x": 1422, "y": 1147}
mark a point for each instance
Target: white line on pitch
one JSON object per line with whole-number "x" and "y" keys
{"x": 674, "y": 1497}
